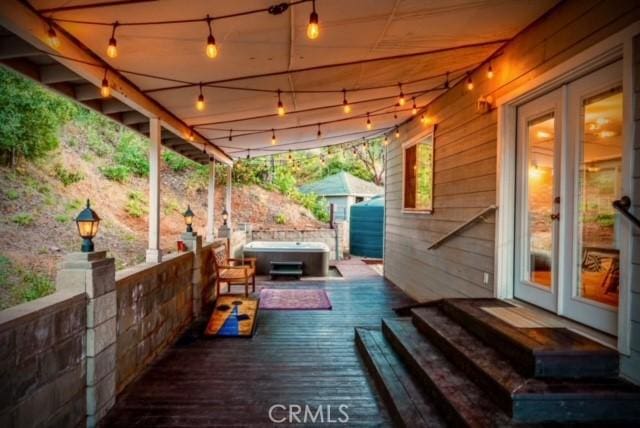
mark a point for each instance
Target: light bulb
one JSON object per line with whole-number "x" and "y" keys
{"x": 52, "y": 36}
{"x": 200, "y": 103}
{"x": 212, "y": 49}
{"x": 105, "y": 91}
{"x": 112, "y": 49}
{"x": 313, "y": 30}
{"x": 281, "y": 111}
{"x": 273, "y": 138}
{"x": 397, "y": 132}
{"x": 369, "y": 125}
{"x": 386, "y": 140}
{"x": 490, "y": 72}
{"x": 469, "y": 84}
{"x": 401, "y": 99}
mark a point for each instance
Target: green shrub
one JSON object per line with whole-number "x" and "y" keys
{"x": 65, "y": 176}
{"x": 22, "y": 219}
{"x": 132, "y": 153}
{"x": 119, "y": 173}
{"x": 63, "y": 218}
{"x": 177, "y": 162}
{"x": 12, "y": 194}
{"x": 281, "y": 219}
{"x": 171, "y": 206}
{"x": 35, "y": 286}
{"x": 136, "y": 205}
{"x": 73, "y": 205}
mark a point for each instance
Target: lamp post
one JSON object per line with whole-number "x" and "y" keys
{"x": 188, "y": 218}
{"x": 87, "y": 222}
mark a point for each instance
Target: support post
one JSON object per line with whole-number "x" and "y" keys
{"x": 211, "y": 203}
{"x": 95, "y": 274}
{"x": 154, "y": 254}
{"x": 228, "y": 196}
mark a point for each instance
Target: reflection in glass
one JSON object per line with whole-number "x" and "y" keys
{"x": 540, "y": 158}
{"x": 599, "y": 184}
{"x": 418, "y": 191}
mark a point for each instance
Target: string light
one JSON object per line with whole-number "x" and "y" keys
{"x": 313, "y": 29}
{"x": 280, "y": 109}
{"x": 273, "y": 138}
{"x": 386, "y": 140}
{"x": 290, "y": 156}
{"x": 369, "y": 125}
{"x": 397, "y": 132}
{"x": 200, "y": 102}
{"x": 319, "y": 133}
{"x": 211, "y": 49}
{"x": 231, "y": 135}
{"x": 52, "y": 37}
{"x": 248, "y": 154}
{"x": 322, "y": 160}
{"x": 105, "y": 90}
{"x": 414, "y": 109}
{"x": 345, "y": 104}
{"x": 489, "y": 72}
{"x": 426, "y": 120}
{"x": 354, "y": 150}
{"x": 365, "y": 145}
{"x": 401, "y": 99}
{"x": 469, "y": 83}
{"x": 112, "y": 48}
{"x": 191, "y": 137}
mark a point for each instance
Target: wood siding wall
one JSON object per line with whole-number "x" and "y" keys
{"x": 465, "y": 160}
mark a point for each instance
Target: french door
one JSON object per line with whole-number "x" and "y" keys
{"x": 568, "y": 236}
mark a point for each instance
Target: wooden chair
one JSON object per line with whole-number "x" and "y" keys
{"x": 234, "y": 271}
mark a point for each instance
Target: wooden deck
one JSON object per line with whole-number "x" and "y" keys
{"x": 295, "y": 357}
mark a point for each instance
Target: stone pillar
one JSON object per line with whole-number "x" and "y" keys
{"x": 227, "y": 201}
{"x": 194, "y": 243}
{"x": 154, "y": 254}
{"x": 96, "y": 275}
{"x": 211, "y": 203}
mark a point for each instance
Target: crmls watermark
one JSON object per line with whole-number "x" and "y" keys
{"x": 294, "y": 413}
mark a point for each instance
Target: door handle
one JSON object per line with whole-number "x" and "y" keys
{"x": 555, "y": 216}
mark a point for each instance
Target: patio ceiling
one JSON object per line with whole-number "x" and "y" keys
{"x": 422, "y": 40}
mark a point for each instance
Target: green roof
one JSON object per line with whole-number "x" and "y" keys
{"x": 342, "y": 184}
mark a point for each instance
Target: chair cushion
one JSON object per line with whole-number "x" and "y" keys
{"x": 236, "y": 273}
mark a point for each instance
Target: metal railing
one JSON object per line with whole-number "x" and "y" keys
{"x": 476, "y": 217}
{"x": 622, "y": 205}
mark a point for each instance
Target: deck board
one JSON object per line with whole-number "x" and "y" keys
{"x": 295, "y": 357}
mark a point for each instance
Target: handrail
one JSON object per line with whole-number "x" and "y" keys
{"x": 622, "y": 205}
{"x": 482, "y": 213}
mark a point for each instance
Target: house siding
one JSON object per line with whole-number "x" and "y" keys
{"x": 465, "y": 157}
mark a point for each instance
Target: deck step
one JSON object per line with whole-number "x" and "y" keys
{"x": 534, "y": 352}
{"x": 408, "y": 404}
{"x": 286, "y": 264}
{"x": 527, "y": 399}
{"x": 292, "y": 272}
{"x": 461, "y": 402}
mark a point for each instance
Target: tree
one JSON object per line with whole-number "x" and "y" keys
{"x": 372, "y": 156}
{"x": 31, "y": 118}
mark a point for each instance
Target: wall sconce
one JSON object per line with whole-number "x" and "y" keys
{"x": 484, "y": 104}
{"x": 87, "y": 222}
{"x": 225, "y": 216}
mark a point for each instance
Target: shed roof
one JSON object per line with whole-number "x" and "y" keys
{"x": 342, "y": 184}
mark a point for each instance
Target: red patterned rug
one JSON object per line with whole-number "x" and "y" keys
{"x": 302, "y": 299}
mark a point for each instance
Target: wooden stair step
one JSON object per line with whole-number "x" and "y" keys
{"x": 528, "y": 399}
{"x": 460, "y": 400}
{"x": 534, "y": 352}
{"x": 292, "y": 272}
{"x": 293, "y": 263}
{"x": 408, "y": 405}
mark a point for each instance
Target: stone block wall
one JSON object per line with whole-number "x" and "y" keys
{"x": 42, "y": 362}
{"x": 154, "y": 306}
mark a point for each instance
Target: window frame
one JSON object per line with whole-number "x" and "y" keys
{"x": 413, "y": 141}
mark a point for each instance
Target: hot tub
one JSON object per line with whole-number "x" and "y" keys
{"x": 313, "y": 255}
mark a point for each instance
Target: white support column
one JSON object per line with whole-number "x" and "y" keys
{"x": 211, "y": 203}
{"x": 228, "y": 198}
{"x": 154, "y": 254}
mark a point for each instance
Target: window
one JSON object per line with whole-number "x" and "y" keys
{"x": 418, "y": 175}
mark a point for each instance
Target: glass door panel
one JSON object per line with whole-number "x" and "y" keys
{"x": 599, "y": 184}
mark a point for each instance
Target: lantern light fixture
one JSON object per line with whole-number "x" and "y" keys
{"x": 87, "y": 222}
{"x": 225, "y": 216}
{"x": 211, "y": 50}
{"x": 188, "y": 218}
{"x": 112, "y": 48}
{"x": 313, "y": 29}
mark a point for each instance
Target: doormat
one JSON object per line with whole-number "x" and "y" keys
{"x": 233, "y": 316}
{"x": 289, "y": 299}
